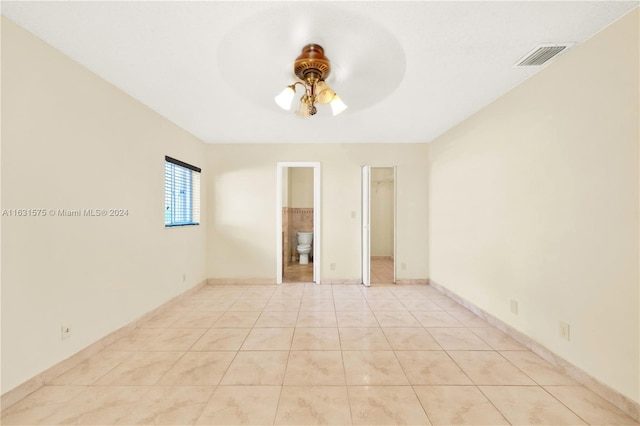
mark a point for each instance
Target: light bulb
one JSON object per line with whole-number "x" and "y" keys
{"x": 284, "y": 99}
{"x": 337, "y": 106}
{"x": 303, "y": 110}
{"x": 324, "y": 93}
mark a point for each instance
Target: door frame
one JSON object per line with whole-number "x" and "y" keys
{"x": 365, "y": 254}
{"x": 315, "y": 165}
{"x": 365, "y": 228}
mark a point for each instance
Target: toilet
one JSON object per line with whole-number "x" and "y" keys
{"x": 304, "y": 246}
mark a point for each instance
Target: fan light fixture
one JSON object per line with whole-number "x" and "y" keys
{"x": 312, "y": 67}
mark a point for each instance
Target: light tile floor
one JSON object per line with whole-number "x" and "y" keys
{"x": 381, "y": 271}
{"x": 314, "y": 354}
{"x": 297, "y": 273}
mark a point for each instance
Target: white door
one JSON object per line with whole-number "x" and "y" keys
{"x": 366, "y": 228}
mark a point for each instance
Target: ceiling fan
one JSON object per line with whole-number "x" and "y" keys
{"x": 312, "y": 67}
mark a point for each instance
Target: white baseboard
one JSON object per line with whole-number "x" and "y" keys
{"x": 625, "y": 404}
{"x": 16, "y": 394}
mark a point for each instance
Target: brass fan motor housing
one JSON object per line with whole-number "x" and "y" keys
{"x": 312, "y": 66}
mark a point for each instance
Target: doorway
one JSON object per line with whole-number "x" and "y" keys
{"x": 378, "y": 225}
{"x": 298, "y": 222}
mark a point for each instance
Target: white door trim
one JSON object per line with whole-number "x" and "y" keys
{"x": 365, "y": 261}
{"x": 366, "y": 230}
{"x": 316, "y": 216}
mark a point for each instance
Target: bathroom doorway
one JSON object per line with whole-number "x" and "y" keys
{"x": 378, "y": 225}
{"x": 298, "y": 243}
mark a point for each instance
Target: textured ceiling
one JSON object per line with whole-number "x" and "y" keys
{"x": 408, "y": 71}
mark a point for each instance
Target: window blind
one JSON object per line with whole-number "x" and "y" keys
{"x": 181, "y": 193}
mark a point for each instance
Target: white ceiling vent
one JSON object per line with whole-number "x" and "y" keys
{"x": 542, "y": 54}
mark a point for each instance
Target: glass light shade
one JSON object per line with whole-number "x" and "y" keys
{"x": 324, "y": 93}
{"x": 337, "y": 106}
{"x": 284, "y": 99}
{"x": 303, "y": 108}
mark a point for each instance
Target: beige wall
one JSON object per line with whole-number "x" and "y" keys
{"x": 535, "y": 199}
{"x": 300, "y": 187}
{"x": 242, "y": 206}
{"x": 382, "y": 211}
{"x": 72, "y": 141}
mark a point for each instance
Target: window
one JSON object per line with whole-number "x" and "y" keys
{"x": 181, "y": 193}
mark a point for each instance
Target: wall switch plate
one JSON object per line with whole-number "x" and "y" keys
{"x": 66, "y": 331}
{"x": 403, "y": 265}
{"x": 514, "y": 307}
{"x": 353, "y": 214}
{"x": 332, "y": 266}
{"x": 184, "y": 277}
{"x": 564, "y": 330}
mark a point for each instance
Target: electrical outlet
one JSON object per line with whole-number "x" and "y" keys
{"x": 564, "y": 330}
{"x": 332, "y": 266}
{"x": 514, "y": 307}
{"x": 403, "y": 266}
{"x": 66, "y": 331}
{"x": 353, "y": 214}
